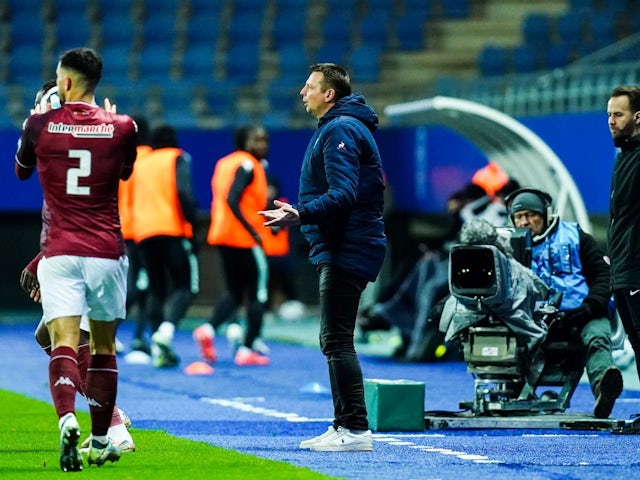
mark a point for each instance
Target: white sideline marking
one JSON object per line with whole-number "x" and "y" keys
{"x": 242, "y": 405}
{"x": 403, "y": 440}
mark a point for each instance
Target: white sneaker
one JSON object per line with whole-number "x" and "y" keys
{"x": 345, "y": 441}
{"x": 125, "y": 418}
{"x": 329, "y": 433}
{"x": 260, "y": 347}
{"x": 70, "y": 457}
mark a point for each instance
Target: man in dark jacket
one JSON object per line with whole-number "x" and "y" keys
{"x": 340, "y": 211}
{"x": 623, "y": 111}
{"x": 570, "y": 261}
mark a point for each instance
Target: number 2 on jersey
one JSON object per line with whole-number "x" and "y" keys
{"x": 82, "y": 170}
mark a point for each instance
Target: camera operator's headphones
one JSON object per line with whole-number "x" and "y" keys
{"x": 545, "y": 198}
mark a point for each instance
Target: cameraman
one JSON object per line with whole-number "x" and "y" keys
{"x": 570, "y": 261}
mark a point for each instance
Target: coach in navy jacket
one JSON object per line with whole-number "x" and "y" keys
{"x": 340, "y": 211}
{"x": 341, "y": 189}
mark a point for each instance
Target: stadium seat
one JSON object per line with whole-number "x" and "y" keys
{"x": 374, "y": 29}
{"x": 276, "y": 120}
{"x": 409, "y": 30}
{"x": 493, "y": 60}
{"x": 116, "y": 63}
{"x": 73, "y": 29}
{"x": 365, "y": 63}
{"x": 570, "y": 28}
{"x": 204, "y": 7}
{"x": 220, "y": 99}
{"x": 602, "y": 28}
{"x": 26, "y": 28}
{"x": 283, "y": 93}
{"x": 289, "y": 28}
{"x": 294, "y": 61}
{"x": 176, "y": 106}
{"x": 159, "y": 27}
{"x": 242, "y": 63}
{"x": 117, "y": 29}
{"x": 198, "y": 62}
{"x": 155, "y": 63}
{"x": 524, "y": 58}
{"x": 25, "y": 65}
{"x": 334, "y": 29}
{"x": 556, "y": 55}
{"x": 246, "y": 27}
{"x": 203, "y": 28}
{"x": 383, "y": 7}
{"x": 332, "y": 52}
{"x": 418, "y": 8}
{"x": 536, "y": 30}
{"x": 456, "y": 8}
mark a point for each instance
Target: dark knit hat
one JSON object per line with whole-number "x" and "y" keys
{"x": 527, "y": 201}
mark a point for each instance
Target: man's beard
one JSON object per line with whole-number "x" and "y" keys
{"x": 623, "y": 135}
{"x": 620, "y": 139}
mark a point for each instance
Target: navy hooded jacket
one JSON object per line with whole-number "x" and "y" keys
{"x": 341, "y": 190}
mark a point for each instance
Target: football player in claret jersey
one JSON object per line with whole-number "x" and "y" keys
{"x": 81, "y": 152}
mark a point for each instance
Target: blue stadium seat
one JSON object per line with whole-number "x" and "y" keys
{"x": 602, "y": 28}
{"x": 409, "y": 30}
{"x": 176, "y": 106}
{"x": 246, "y": 28}
{"x": 198, "y": 62}
{"x": 73, "y": 29}
{"x": 290, "y": 5}
{"x": 343, "y": 6}
{"x": 154, "y": 63}
{"x": 199, "y": 7}
{"x": 418, "y": 8}
{"x": 536, "y": 29}
{"x": 203, "y": 28}
{"x": 493, "y": 60}
{"x": 221, "y": 98}
{"x": 570, "y": 28}
{"x": 115, "y": 7}
{"x": 242, "y": 63}
{"x": 456, "y": 8}
{"x": 556, "y": 55}
{"x": 115, "y": 63}
{"x": 117, "y": 29}
{"x": 27, "y": 28}
{"x": 383, "y": 7}
{"x": 277, "y": 120}
{"x": 284, "y": 92}
{"x": 332, "y": 52}
{"x": 159, "y": 27}
{"x": 335, "y": 29}
{"x": 524, "y": 59}
{"x": 289, "y": 28}
{"x": 294, "y": 61}
{"x": 25, "y": 65}
{"x": 374, "y": 29}
{"x": 365, "y": 64}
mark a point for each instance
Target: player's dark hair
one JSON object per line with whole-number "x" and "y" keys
{"x": 241, "y": 136}
{"x": 335, "y": 77}
{"x": 86, "y": 62}
{"x": 632, "y": 92}
{"x": 164, "y": 136}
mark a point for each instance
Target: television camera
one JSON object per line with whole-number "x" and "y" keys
{"x": 512, "y": 336}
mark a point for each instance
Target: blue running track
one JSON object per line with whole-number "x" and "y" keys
{"x": 264, "y": 411}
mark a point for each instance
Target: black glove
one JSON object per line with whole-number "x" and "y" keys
{"x": 578, "y": 316}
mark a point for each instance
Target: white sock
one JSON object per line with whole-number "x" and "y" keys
{"x": 166, "y": 330}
